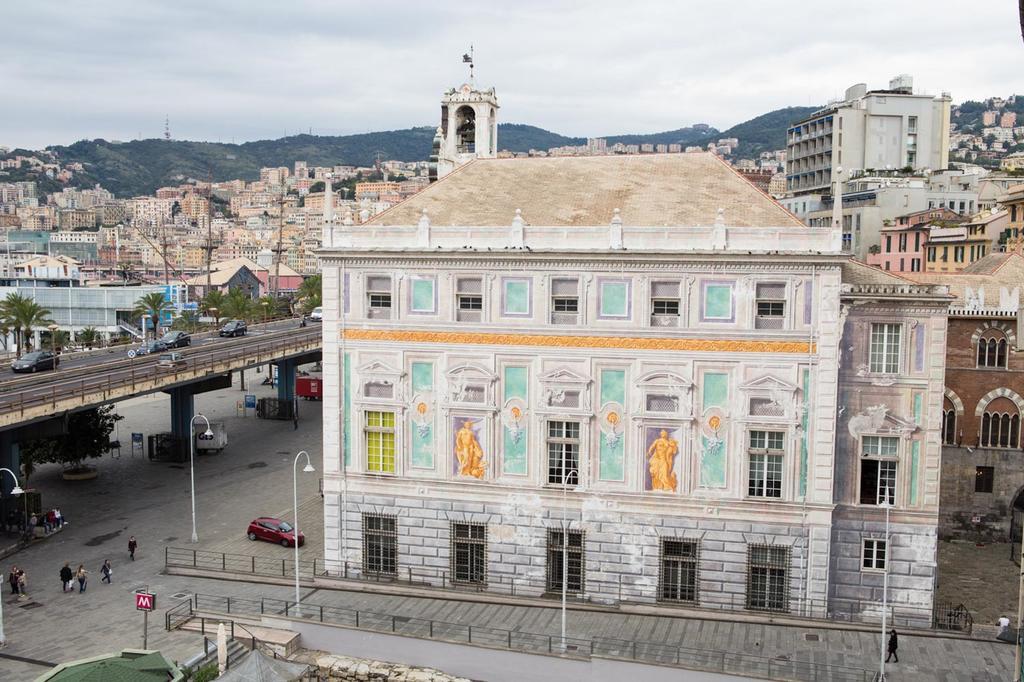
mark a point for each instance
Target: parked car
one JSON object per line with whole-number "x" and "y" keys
{"x": 234, "y": 328}
{"x": 317, "y": 315}
{"x": 274, "y": 530}
{"x": 157, "y": 346}
{"x": 176, "y": 339}
{"x": 35, "y": 361}
{"x": 170, "y": 360}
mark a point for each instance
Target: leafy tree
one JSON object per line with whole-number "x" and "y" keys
{"x": 151, "y": 305}
{"x": 21, "y": 314}
{"x": 213, "y": 303}
{"x": 237, "y": 305}
{"x": 188, "y": 321}
{"x": 310, "y": 293}
{"x": 87, "y": 437}
{"x": 89, "y": 337}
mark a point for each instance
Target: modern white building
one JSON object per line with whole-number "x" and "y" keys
{"x": 870, "y": 129}
{"x": 642, "y": 352}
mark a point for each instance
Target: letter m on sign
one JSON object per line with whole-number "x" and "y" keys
{"x": 144, "y": 601}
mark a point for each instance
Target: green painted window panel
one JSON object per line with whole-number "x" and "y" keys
{"x": 918, "y": 406}
{"x": 422, "y": 376}
{"x": 423, "y": 295}
{"x": 804, "y": 454}
{"x": 716, "y": 389}
{"x": 613, "y": 386}
{"x": 612, "y": 458}
{"x": 514, "y": 461}
{"x": 423, "y": 447}
{"x": 517, "y": 297}
{"x": 712, "y": 464}
{"x": 718, "y": 302}
{"x": 915, "y": 465}
{"x": 516, "y": 379}
{"x": 614, "y": 299}
{"x": 346, "y": 426}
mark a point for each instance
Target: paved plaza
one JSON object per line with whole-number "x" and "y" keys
{"x": 133, "y": 496}
{"x": 982, "y": 578}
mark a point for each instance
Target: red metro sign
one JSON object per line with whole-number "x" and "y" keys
{"x": 145, "y": 601}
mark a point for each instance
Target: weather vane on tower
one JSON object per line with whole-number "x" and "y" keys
{"x": 468, "y": 59}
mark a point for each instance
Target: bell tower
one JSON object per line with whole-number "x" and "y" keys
{"x": 469, "y": 127}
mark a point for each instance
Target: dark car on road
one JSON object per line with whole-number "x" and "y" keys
{"x": 176, "y": 339}
{"x": 35, "y": 361}
{"x": 234, "y": 328}
{"x": 274, "y": 530}
{"x": 157, "y": 346}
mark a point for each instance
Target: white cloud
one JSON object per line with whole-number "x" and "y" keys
{"x": 246, "y": 70}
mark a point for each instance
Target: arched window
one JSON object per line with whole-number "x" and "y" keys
{"x": 1000, "y": 425}
{"x": 948, "y": 422}
{"x": 992, "y": 350}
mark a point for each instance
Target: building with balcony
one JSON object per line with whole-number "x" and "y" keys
{"x": 634, "y": 360}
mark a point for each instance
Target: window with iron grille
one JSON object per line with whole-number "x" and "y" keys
{"x": 563, "y": 452}
{"x": 378, "y": 297}
{"x": 771, "y": 305}
{"x": 469, "y": 553}
{"x": 885, "y": 348}
{"x": 766, "y": 407}
{"x": 678, "y": 579}
{"x": 765, "y": 454}
{"x": 565, "y": 301}
{"x": 378, "y": 389}
{"x": 878, "y": 469}
{"x": 873, "y": 554}
{"x": 659, "y": 402}
{"x": 469, "y": 299}
{"x": 574, "y": 569}
{"x": 380, "y": 544}
{"x": 665, "y": 304}
{"x": 767, "y": 578}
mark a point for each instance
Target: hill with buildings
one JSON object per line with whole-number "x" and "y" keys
{"x": 141, "y": 166}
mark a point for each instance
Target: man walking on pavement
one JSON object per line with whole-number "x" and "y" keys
{"x": 65, "y": 578}
{"x": 132, "y": 545}
{"x": 106, "y": 571}
{"x": 893, "y": 645}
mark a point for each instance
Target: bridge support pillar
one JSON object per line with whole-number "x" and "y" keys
{"x": 286, "y": 380}
{"x": 182, "y": 411}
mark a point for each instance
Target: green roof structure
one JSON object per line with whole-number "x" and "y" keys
{"x": 131, "y": 665}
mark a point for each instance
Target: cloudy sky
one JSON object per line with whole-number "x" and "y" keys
{"x": 236, "y": 70}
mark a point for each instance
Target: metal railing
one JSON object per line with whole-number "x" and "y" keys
{"x": 622, "y": 590}
{"x": 129, "y": 373}
{"x": 779, "y": 667}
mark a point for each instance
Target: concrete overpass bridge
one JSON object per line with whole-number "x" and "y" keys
{"x": 35, "y": 405}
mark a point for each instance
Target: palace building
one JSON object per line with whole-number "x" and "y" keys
{"x": 639, "y": 370}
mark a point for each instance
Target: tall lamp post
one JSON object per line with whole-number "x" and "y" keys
{"x": 53, "y": 343}
{"x": 295, "y": 531}
{"x": 192, "y": 469}
{"x": 16, "y": 490}
{"x": 264, "y": 304}
{"x": 565, "y": 548}
{"x": 885, "y": 583}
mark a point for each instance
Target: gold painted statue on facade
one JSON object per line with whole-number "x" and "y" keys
{"x": 469, "y": 452}
{"x": 662, "y": 455}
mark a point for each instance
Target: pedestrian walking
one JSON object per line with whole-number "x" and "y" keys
{"x": 12, "y": 578}
{"x": 106, "y": 571}
{"x": 132, "y": 546}
{"x": 893, "y": 645}
{"x": 83, "y": 578}
{"x": 60, "y": 518}
{"x": 22, "y": 584}
{"x": 65, "y": 577}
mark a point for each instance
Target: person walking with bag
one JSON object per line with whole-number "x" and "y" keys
{"x": 893, "y": 645}
{"x": 132, "y": 546}
{"x": 106, "y": 571}
{"x": 12, "y": 578}
{"x": 83, "y": 578}
{"x": 65, "y": 578}
{"x": 22, "y": 585}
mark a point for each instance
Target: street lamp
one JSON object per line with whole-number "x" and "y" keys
{"x": 192, "y": 469}
{"x": 885, "y": 582}
{"x": 16, "y": 490}
{"x": 264, "y": 304}
{"x": 53, "y": 343}
{"x": 213, "y": 311}
{"x": 565, "y": 547}
{"x": 295, "y": 531}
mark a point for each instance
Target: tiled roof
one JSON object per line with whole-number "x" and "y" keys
{"x": 855, "y": 272}
{"x": 993, "y": 272}
{"x": 651, "y": 189}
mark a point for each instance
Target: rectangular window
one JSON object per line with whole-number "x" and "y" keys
{"x": 380, "y": 544}
{"x": 565, "y": 301}
{"x": 767, "y": 578}
{"x": 613, "y": 299}
{"x": 665, "y": 304}
{"x": 958, "y": 254}
{"x": 568, "y": 563}
{"x": 717, "y": 302}
{"x": 380, "y": 442}
{"x": 878, "y": 469}
{"x": 469, "y": 299}
{"x": 931, "y": 254}
{"x": 873, "y": 555}
{"x": 421, "y": 296}
{"x": 378, "y": 297}
{"x": 984, "y": 479}
{"x": 469, "y": 553}
{"x": 765, "y": 472}
{"x": 885, "y": 348}
{"x": 678, "y": 578}
{"x": 515, "y": 297}
{"x": 903, "y": 242}
{"x": 771, "y": 306}
{"x": 563, "y": 452}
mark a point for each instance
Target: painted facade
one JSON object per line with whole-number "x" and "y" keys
{"x": 670, "y": 395}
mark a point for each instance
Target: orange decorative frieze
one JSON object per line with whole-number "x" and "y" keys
{"x": 561, "y": 341}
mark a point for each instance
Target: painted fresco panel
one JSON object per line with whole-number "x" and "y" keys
{"x": 662, "y": 456}
{"x": 468, "y": 441}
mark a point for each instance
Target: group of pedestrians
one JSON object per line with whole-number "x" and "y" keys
{"x": 80, "y": 575}
{"x": 18, "y": 582}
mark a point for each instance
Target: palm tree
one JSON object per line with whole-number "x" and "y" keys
{"x": 89, "y": 337}
{"x": 21, "y": 314}
{"x": 267, "y": 305}
{"x": 310, "y": 293}
{"x": 188, "y": 321}
{"x": 213, "y": 302}
{"x": 151, "y": 305}
{"x": 237, "y": 305}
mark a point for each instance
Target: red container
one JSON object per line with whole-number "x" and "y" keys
{"x": 310, "y": 388}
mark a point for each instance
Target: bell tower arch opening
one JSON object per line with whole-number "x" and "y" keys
{"x": 465, "y": 130}
{"x": 469, "y": 127}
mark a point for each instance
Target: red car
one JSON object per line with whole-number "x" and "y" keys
{"x": 274, "y": 530}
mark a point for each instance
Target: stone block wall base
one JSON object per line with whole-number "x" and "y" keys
{"x": 347, "y": 669}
